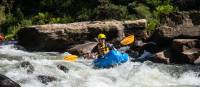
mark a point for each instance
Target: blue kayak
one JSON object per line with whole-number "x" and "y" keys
{"x": 110, "y": 59}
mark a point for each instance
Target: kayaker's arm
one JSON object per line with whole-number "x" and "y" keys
{"x": 93, "y": 54}
{"x": 111, "y": 46}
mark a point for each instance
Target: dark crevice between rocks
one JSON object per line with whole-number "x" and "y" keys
{"x": 195, "y": 18}
{"x": 24, "y": 40}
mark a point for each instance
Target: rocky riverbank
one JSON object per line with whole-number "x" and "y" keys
{"x": 179, "y": 35}
{"x": 60, "y": 37}
{"x": 177, "y": 38}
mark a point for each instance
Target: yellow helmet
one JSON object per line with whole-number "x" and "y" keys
{"x": 101, "y": 36}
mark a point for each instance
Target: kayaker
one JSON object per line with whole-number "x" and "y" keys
{"x": 102, "y": 47}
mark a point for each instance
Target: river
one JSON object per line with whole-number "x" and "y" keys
{"x": 81, "y": 73}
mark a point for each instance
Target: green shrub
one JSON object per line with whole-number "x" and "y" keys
{"x": 54, "y": 20}
{"x": 84, "y": 14}
{"x": 143, "y": 11}
{"x": 111, "y": 11}
{"x": 152, "y": 24}
{"x": 131, "y": 17}
{"x": 2, "y": 15}
{"x": 164, "y": 9}
{"x": 12, "y": 31}
{"x": 67, "y": 19}
{"x": 26, "y": 22}
{"x": 154, "y": 3}
{"x": 41, "y": 18}
{"x": 10, "y": 20}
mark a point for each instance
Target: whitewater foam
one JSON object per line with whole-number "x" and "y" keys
{"x": 81, "y": 73}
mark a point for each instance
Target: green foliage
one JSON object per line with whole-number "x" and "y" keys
{"x": 41, "y": 18}
{"x": 143, "y": 11}
{"x": 67, "y": 19}
{"x": 154, "y": 3}
{"x": 15, "y": 14}
{"x": 12, "y": 30}
{"x": 131, "y": 17}
{"x": 152, "y": 24}
{"x": 2, "y": 14}
{"x": 26, "y": 22}
{"x": 111, "y": 11}
{"x": 54, "y": 20}
{"x": 165, "y": 9}
{"x": 19, "y": 14}
{"x": 84, "y": 14}
{"x": 44, "y": 18}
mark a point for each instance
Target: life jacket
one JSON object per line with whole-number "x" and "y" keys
{"x": 102, "y": 48}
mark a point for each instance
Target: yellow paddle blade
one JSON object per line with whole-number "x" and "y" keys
{"x": 127, "y": 40}
{"x": 71, "y": 58}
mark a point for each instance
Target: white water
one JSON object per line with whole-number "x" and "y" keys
{"x": 81, "y": 73}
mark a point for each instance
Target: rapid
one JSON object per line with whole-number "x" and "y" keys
{"x": 82, "y": 74}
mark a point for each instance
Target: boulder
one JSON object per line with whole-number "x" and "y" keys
{"x": 163, "y": 56}
{"x": 58, "y": 37}
{"x": 6, "y": 82}
{"x": 63, "y": 68}
{"x": 197, "y": 61}
{"x": 192, "y": 55}
{"x": 185, "y": 50}
{"x": 82, "y": 48}
{"x": 180, "y": 45}
{"x": 179, "y": 32}
{"x": 27, "y": 65}
{"x": 178, "y": 25}
{"x": 45, "y": 79}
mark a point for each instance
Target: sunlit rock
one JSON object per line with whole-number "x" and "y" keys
{"x": 59, "y": 37}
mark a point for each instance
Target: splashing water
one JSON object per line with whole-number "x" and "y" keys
{"x": 81, "y": 73}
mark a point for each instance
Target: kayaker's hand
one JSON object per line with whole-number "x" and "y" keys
{"x": 90, "y": 55}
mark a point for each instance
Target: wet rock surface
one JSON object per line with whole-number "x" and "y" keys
{"x": 63, "y": 68}
{"x": 163, "y": 56}
{"x": 27, "y": 65}
{"x": 6, "y": 82}
{"x": 178, "y": 25}
{"x": 45, "y": 79}
{"x": 82, "y": 49}
{"x": 191, "y": 54}
{"x": 179, "y": 31}
{"x": 59, "y": 37}
{"x": 185, "y": 50}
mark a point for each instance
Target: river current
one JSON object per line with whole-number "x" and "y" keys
{"x": 82, "y": 74}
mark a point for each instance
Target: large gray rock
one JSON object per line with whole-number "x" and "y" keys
{"x": 6, "y": 82}
{"x": 58, "y": 37}
{"x": 163, "y": 56}
{"x": 191, "y": 54}
{"x": 179, "y": 32}
{"x": 180, "y": 45}
{"x": 178, "y": 25}
{"x": 197, "y": 61}
{"x": 82, "y": 49}
{"x": 185, "y": 50}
